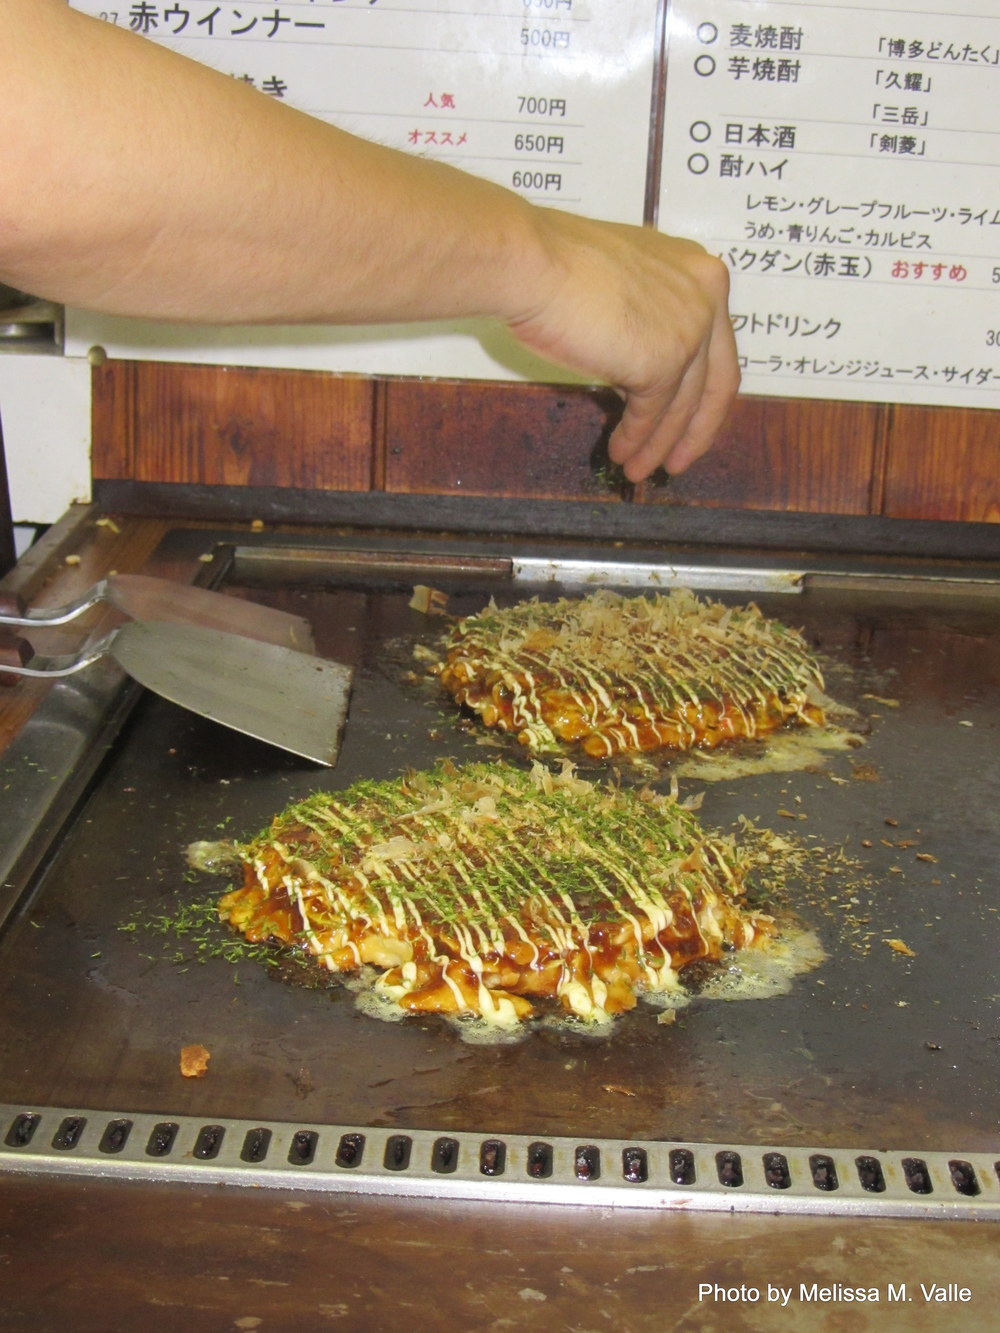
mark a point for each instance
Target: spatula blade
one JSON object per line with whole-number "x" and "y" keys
{"x": 146, "y": 598}
{"x": 289, "y": 699}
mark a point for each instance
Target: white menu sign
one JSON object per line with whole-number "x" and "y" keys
{"x": 844, "y": 159}
{"x": 550, "y": 98}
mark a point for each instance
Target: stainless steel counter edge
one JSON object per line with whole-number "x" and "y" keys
{"x": 49, "y": 764}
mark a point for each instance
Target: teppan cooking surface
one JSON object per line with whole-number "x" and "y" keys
{"x": 875, "y": 1047}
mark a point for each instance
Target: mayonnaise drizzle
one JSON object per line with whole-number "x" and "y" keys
{"x": 598, "y": 883}
{"x": 604, "y": 654}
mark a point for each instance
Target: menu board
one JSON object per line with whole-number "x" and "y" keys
{"x": 845, "y": 161}
{"x": 550, "y": 98}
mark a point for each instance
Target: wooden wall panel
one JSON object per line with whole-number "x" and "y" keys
{"x": 217, "y": 425}
{"x": 538, "y": 441}
{"x": 788, "y": 454}
{"x": 944, "y": 463}
{"x": 112, "y": 419}
{"x": 519, "y": 440}
{"x": 207, "y": 425}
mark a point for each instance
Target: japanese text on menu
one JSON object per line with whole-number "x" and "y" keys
{"x": 547, "y": 97}
{"x": 845, "y": 162}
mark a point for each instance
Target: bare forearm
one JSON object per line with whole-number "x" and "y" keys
{"x": 135, "y": 182}
{"x": 144, "y": 184}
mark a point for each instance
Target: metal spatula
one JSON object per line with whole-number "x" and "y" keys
{"x": 289, "y": 699}
{"x": 143, "y": 598}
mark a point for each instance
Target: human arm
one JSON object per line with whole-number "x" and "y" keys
{"x": 137, "y": 182}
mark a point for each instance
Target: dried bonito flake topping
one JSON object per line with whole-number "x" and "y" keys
{"x": 486, "y": 891}
{"x": 900, "y": 946}
{"x": 194, "y": 1060}
{"x": 429, "y": 601}
{"x": 617, "y": 674}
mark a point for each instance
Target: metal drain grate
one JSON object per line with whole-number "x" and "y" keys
{"x": 510, "y": 1168}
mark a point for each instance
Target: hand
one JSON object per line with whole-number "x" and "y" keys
{"x": 647, "y": 313}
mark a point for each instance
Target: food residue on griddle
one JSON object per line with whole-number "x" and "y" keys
{"x": 900, "y": 946}
{"x": 428, "y": 601}
{"x": 212, "y": 855}
{"x": 194, "y": 1060}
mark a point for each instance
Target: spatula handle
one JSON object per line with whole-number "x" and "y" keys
{"x": 11, "y": 604}
{"x": 14, "y": 652}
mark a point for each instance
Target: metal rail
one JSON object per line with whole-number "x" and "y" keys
{"x": 621, "y": 1173}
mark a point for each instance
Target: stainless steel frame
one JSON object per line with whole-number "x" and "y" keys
{"x": 617, "y": 1173}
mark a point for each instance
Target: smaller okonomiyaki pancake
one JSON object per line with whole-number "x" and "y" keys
{"x": 617, "y": 674}
{"x": 485, "y": 891}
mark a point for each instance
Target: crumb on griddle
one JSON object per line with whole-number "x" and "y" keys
{"x": 428, "y": 601}
{"x": 194, "y": 1060}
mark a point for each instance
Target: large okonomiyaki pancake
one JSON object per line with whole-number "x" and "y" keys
{"x": 614, "y": 674}
{"x": 490, "y": 892}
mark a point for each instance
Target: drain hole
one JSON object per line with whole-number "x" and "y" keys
{"x": 161, "y": 1139}
{"x": 635, "y": 1167}
{"x": 115, "y": 1136}
{"x": 67, "y": 1136}
{"x": 397, "y": 1152}
{"x": 682, "y": 1170}
{"x": 303, "y": 1147}
{"x": 256, "y": 1142}
{"x": 963, "y": 1177}
{"x": 870, "y": 1174}
{"x": 492, "y": 1158}
{"x": 730, "y": 1169}
{"x": 444, "y": 1156}
{"x": 350, "y": 1150}
{"x": 587, "y": 1162}
{"x": 22, "y": 1130}
{"x": 208, "y": 1142}
{"x": 824, "y": 1172}
{"x": 916, "y": 1175}
{"x": 539, "y": 1161}
{"x": 776, "y": 1171}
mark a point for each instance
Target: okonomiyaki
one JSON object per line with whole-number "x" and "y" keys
{"x": 488, "y": 891}
{"x": 617, "y": 674}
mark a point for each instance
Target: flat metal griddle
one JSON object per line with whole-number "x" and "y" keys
{"x": 875, "y": 1049}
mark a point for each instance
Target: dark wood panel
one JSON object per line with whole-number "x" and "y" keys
{"x": 790, "y": 454}
{"x": 112, "y": 418}
{"x": 160, "y": 421}
{"x": 518, "y": 440}
{"x": 317, "y": 432}
{"x": 535, "y": 441}
{"x": 943, "y": 463}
